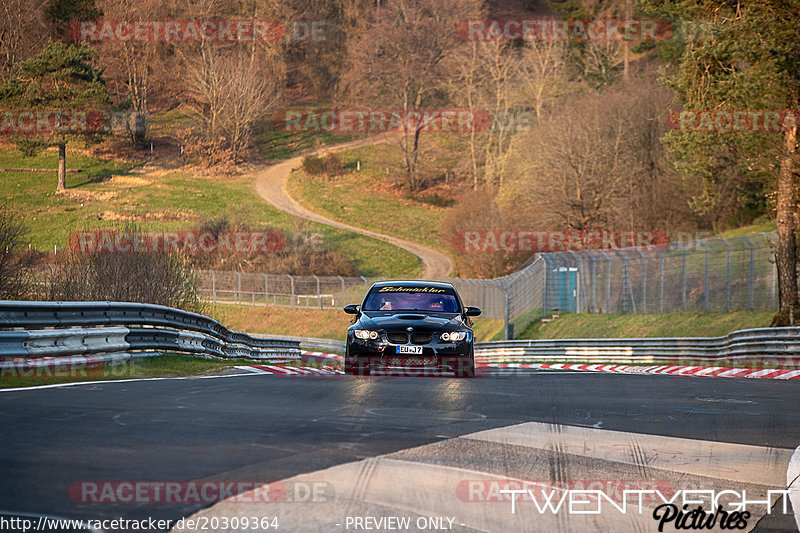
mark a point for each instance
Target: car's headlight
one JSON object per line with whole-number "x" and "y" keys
{"x": 365, "y": 334}
{"x": 453, "y": 336}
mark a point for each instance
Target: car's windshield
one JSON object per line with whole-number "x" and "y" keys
{"x": 411, "y": 298}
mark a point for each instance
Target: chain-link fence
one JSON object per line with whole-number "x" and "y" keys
{"x": 719, "y": 275}
{"x": 711, "y": 275}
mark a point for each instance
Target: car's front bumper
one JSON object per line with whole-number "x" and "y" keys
{"x": 433, "y": 353}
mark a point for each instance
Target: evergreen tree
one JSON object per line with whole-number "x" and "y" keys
{"x": 735, "y": 56}
{"x": 60, "y": 78}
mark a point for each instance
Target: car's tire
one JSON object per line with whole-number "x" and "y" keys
{"x": 362, "y": 367}
{"x": 348, "y": 365}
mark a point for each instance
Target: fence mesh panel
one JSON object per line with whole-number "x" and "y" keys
{"x": 717, "y": 275}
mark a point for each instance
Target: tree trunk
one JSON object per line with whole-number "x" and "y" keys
{"x": 62, "y": 166}
{"x": 786, "y": 253}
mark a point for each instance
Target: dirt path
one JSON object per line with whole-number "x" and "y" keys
{"x": 270, "y": 184}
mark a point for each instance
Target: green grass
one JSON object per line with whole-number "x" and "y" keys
{"x": 274, "y": 143}
{"x": 167, "y": 365}
{"x": 585, "y": 325}
{"x": 761, "y": 226}
{"x": 277, "y": 145}
{"x": 374, "y": 205}
{"x": 107, "y": 191}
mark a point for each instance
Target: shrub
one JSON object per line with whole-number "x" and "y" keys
{"x": 156, "y": 278}
{"x": 16, "y": 278}
{"x": 329, "y": 165}
{"x": 29, "y": 146}
{"x": 437, "y": 200}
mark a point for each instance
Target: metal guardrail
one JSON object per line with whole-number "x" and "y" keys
{"x": 318, "y": 345}
{"x": 133, "y": 327}
{"x": 779, "y": 345}
{"x": 126, "y": 327}
{"x": 775, "y": 346}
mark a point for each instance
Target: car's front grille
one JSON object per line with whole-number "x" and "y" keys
{"x": 421, "y": 338}
{"x": 417, "y": 360}
{"x": 397, "y": 337}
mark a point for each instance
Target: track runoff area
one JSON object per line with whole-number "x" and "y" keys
{"x": 547, "y": 450}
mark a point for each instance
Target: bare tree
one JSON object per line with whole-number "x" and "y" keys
{"x": 596, "y": 163}
{"x": 134, "y": 70}
{"x": 504, "y": 80}
{"x": 542, "y": 74}
{"x": 232, "y": 92}
{"x": 15, "y": 275}
{"x": 400, "y": 63}
{"x": 22, "y": 32}
{"x": 148, "y": 277}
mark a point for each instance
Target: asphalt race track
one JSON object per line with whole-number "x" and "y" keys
{"x": 346, "y": 453}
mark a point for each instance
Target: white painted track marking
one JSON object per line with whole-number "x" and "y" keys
{"x": 793, "y": 484}
{"x": 424, "y": 481}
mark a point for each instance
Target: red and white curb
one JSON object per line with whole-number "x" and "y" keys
{"x": 697, "y": 371}
{"x": 306, "y": 355}
{"x": 282, "y": 370}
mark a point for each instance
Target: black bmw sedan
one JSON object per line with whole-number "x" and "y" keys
{"x": 411, "y": 325}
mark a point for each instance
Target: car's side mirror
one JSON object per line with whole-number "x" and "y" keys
{"x": 351, "y": 309}
{"x": 472, "y": 311}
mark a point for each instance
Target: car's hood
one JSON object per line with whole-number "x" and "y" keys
{"x": 403, "y": 319}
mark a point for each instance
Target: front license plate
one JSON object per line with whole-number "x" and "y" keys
{"x": 416, "y": 350}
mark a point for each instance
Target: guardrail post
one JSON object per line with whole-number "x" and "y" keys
{"x": 214, "y": 285}
{"x": 705, "y": 291}
{"x": 365, "y": 283}
{"x": 291, "y": 279}
{"x": 319, "y": 296}
{"x": 727, "y": 275}
{"x": 342, "y": 280}
{"x": 751, "y": 283}
{"x": 266, "y": 291}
